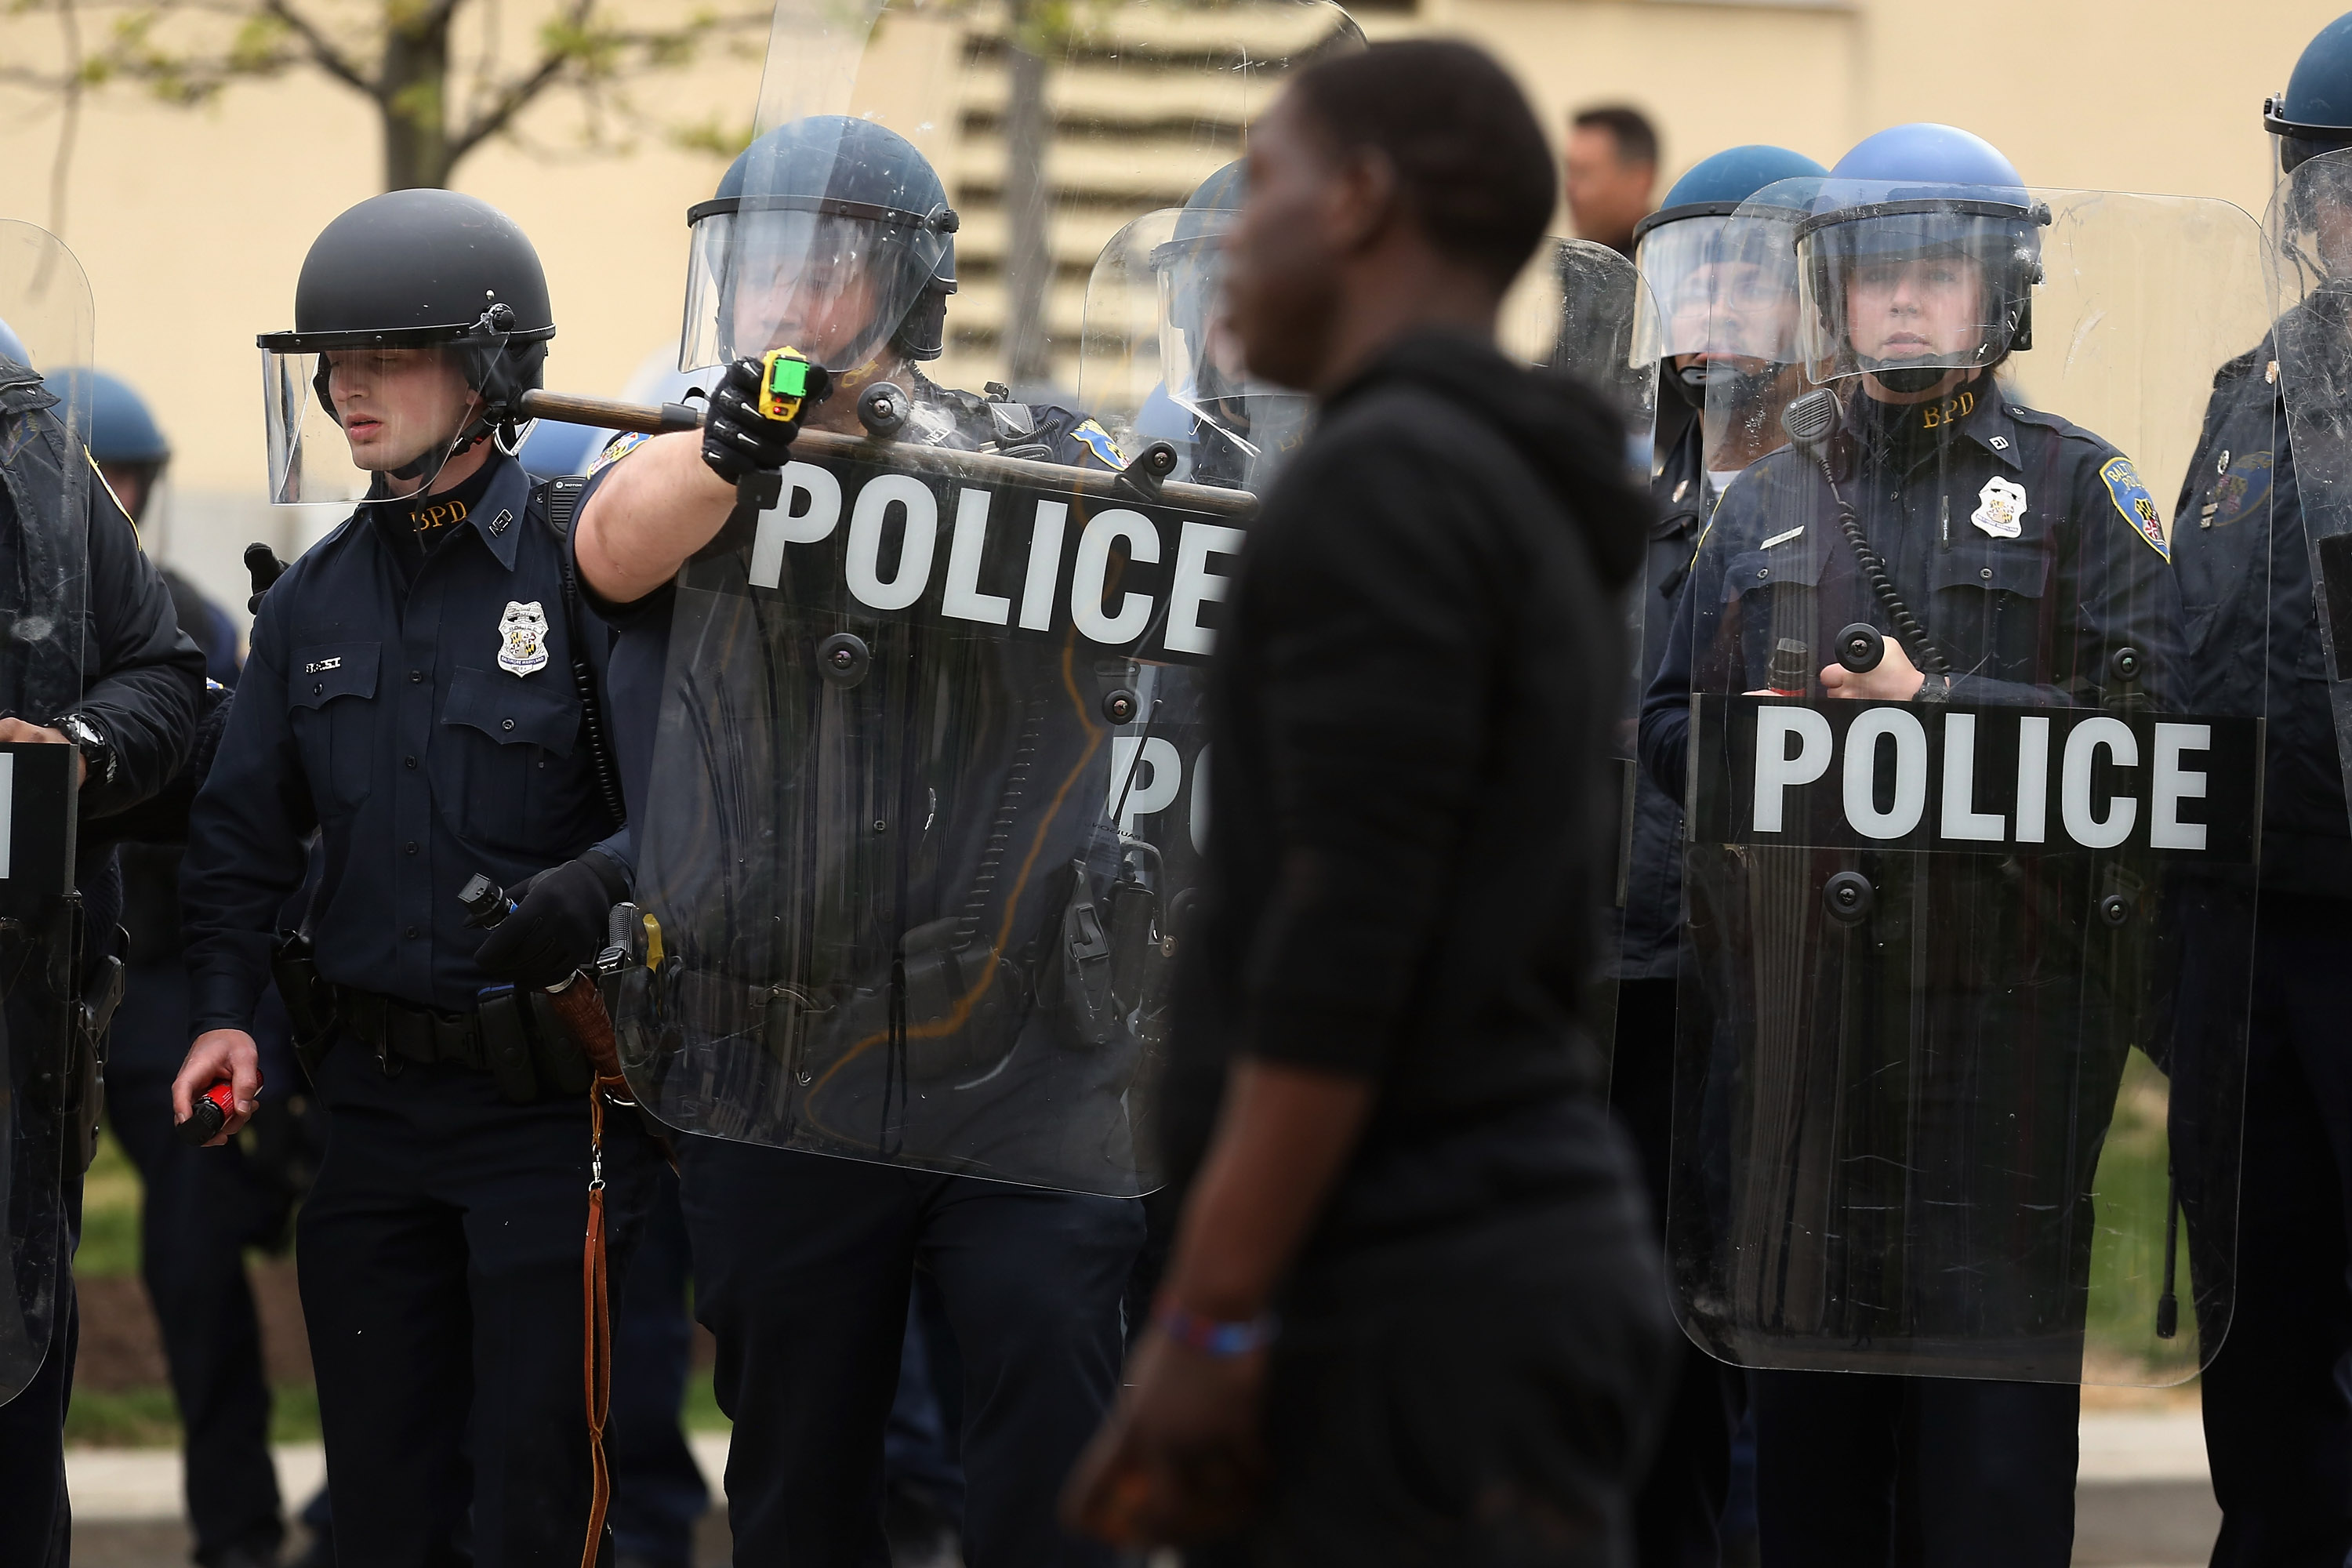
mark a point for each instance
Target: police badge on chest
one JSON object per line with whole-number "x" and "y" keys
{"x": 522, "y": 637}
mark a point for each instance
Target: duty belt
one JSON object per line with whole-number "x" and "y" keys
{"x": 390, "y": 1026}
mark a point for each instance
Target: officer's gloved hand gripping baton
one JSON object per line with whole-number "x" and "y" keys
{"x": 985, "y": 468}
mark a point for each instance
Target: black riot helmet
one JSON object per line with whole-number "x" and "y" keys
{"x": 413, "y": 270}
{"x": 811, "y": 216}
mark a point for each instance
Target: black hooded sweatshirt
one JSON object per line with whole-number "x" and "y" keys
{"x": 1422, "y": 650}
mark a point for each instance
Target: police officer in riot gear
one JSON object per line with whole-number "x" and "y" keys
{"x": 2007, "y": 559}
{"x": 97, "y": 667}
{"x": 832, "y": 235}
{"x": 2278, "y": 1398}
{"x": 1719, "y": 309}
{"x": 1235, "y": 430}
{"x": 421, "y": 692}
{"x": 199, "y": 1211}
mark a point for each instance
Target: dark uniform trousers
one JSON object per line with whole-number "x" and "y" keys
{"x": 1678, "y": 1513}
{"x": 2278, "y": 1396}
{"x": 658, "y": 1492}
{"x": 443, "y": 1239}
{"x": 36, "y": 1524}
{"x": 802, "y": 1268}
{"x": 1862, "y": 1470}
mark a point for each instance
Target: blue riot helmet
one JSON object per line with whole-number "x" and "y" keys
{"x": 2314, "y": 115}
{"x": 12, "y": 347}
{"x": 829, "y": 235}
{"x": 1930, "y": 234}
{"x": 122, "y": 430}
{"x": 1693, "y": 258}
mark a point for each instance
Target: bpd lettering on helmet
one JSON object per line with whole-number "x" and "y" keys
{"x": 1936, "y": 777}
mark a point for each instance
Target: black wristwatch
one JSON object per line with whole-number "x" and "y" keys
{"x": 90, "y": 741}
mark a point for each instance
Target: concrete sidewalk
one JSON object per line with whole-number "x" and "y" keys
{"x": 127, "y": 1486}
{"x": 134, "y": 1484}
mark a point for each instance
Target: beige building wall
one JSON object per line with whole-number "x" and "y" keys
{"x": 193, "y": 223}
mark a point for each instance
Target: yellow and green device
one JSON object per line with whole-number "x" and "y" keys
{"x": 787, "y": 379}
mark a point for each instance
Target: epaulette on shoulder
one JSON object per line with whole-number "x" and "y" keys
{"x": 2256, "y": 360}
{"x": 2058, "y": 425}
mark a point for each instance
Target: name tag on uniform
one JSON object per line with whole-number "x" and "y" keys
{"x": 315, "y": 666}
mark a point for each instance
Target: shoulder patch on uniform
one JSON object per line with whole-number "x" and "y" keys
{"x": 1096, "y": 439}
{"x": 2137, "y": 507}
{"x": 618, "y": 448}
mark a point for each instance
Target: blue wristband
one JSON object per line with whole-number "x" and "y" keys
{"x": 1210, "y": 1337}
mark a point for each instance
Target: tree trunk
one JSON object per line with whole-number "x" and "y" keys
{"x": 1029, "y": 257}
{"x": 411, "y": 94}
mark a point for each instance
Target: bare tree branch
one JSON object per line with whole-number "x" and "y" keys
{"x": 323, "y": 53}
{"x": 437, "y": 103}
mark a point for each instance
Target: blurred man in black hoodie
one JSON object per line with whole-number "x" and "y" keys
{"x": 1383, "y": 1095}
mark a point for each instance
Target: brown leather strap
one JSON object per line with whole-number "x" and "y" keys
{"x": 577, "y": 1002}
{"x": 597, "y": 1328}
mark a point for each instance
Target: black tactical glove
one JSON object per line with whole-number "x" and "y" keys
{"x": 737, "y": 438}
{"x": 558, "y": 924}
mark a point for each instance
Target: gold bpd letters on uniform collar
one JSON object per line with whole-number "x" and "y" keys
{"x": 1949, "y": 411}
{"x": 438, "y": 515}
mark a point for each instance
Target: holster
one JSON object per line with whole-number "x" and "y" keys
{"x": 76, "y": 1002}
{"x": 93, "y": 1015}
{"x": 310, "y": 1001}
{"x": 529, "y": 1056}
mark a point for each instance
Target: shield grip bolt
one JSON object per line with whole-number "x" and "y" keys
{"x": 1848, "y": 898}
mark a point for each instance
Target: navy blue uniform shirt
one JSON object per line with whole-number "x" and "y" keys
{"x": 427, "y": 732}
{"x": 2254, "y": 629}
{"x": 2029, "y": 620}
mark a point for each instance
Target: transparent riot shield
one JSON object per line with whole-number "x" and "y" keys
{"x": 2310, "y": 234}
{"x": 927, "y": 807}
{"x": 921, "y": 850}
{"x": 45, "y": 326}
{"x": 1576, "y": 310}
{"x": 1973, "y": 822}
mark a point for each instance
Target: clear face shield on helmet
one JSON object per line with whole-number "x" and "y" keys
{"x": 1200, "y": 353}
{"x": 366, "y": 423}
{"x": 2310, "y": 226}
{"x": 830, "y": 278}
{"x": 1720, "y": 298}
{"x": 1748, "y": 369}
{"x": 1901, "y": 287}
{"x": 1159, "y": 360}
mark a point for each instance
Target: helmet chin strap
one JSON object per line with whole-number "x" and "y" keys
{"x": 430, "y": 462}
{"x": 1906, "y": 379}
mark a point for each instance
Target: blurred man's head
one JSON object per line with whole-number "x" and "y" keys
{"x": 1613, "y": 174}
{"x": 1396, "y": 189}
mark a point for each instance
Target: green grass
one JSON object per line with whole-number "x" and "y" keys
{"x": 109, "y": 1215}
{"x": 701, "y": 1412}
{"x": 2127, "y": 1251}
{"x": 146, "y": 1417}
